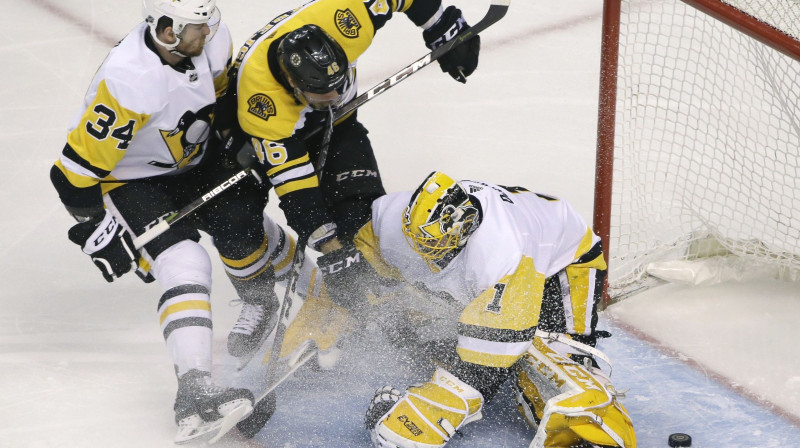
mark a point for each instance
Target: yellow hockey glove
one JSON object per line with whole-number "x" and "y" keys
{"x": 427, "y": 415}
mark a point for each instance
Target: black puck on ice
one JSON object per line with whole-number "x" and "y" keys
{"x": 679, "y": 439}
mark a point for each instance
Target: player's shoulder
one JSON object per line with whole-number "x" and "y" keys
{"x": 349, "y": 22}
{"x": 133, "y": 73}
{"x": 390, "y": 206}
{"x": 131, "y": 57}
{"x": 487, "y": 192}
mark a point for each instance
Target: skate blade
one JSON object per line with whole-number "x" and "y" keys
{"x": 229, "y": 421}
{"x": 243, "y": 361}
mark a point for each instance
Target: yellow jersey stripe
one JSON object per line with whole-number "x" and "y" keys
{"x": 487, "y": 359}
{"x": 302, "y": 184}
{"x": 283, "y": 167}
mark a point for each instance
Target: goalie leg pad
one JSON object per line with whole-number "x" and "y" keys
{"x": 427, "y": 415}
{"x": 569, "y": 403}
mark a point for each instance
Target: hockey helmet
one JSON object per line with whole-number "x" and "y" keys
{"x": 182, "y": 13}
{"x": 315, "y": 63}
{"x": 439, "y": 219}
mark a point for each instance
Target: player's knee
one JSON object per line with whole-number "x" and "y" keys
{"x": 186, "y": 262}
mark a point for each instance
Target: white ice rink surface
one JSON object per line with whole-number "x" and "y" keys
{"x": 83, "y": 363}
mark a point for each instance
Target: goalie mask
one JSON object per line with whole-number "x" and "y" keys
{"x": 182, "y": 13}
{"x": 439, "y": 220}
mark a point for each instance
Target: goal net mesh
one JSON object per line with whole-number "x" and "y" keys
{"x": 707, "y": 140}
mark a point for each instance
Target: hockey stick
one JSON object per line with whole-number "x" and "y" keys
{"x": 497, "y": 10}
{"x": 151, "y": 233}
{"x": 264, "y": 405}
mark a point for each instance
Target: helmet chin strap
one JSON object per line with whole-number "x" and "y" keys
{"x": 170, "y": 47}
{"x": 298, "y": 95}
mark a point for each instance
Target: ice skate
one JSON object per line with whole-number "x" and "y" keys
{"x": 202, "y": 409}
{"x": 256, "y": 321}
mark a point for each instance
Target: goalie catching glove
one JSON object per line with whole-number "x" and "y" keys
{"x": 108, "y": 243}
{"x": 570, "y": 404}
{"x": 462, "y": 59}
{"x": 426, "y": 415}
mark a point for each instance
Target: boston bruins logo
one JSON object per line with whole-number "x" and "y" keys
{"x": 347, "y": 23}
{"x": 261, "y": 106}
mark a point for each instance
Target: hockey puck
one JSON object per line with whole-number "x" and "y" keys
{"x": 679, "y": 439}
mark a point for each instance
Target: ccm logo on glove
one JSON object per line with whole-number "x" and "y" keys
{"x": 456, "y": 28}
{"x": 351, "y": 259}
{"x": 108, "y": 244}
{"x": 100, "y": 237}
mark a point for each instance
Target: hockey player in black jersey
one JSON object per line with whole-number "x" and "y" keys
{"x": 291, "y": 76}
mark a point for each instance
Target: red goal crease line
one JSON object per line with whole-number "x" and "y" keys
{"x": 719, "y": 378}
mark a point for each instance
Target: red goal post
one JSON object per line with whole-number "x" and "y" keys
{"x": 698, "y": 148}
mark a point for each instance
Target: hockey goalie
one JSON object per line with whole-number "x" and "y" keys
{"x": 527, "y": 272}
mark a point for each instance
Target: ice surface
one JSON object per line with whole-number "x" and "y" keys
{"x": 83, "y": 364}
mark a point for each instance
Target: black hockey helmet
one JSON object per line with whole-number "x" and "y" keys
{"x": 314, "y": 61}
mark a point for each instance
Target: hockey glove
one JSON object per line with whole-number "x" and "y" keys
{"x": 322, "y": 235}
{"x": 462, "y": 59}
{"x": 348, "y": 277}
{"x": 108, "y": 243}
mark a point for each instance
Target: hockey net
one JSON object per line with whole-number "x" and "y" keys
{"x": 699, "y": 140}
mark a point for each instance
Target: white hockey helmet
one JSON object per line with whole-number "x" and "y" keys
{"x": 182, "y": 13}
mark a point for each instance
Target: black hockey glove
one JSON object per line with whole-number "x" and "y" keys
{"x": 462, "y": 59}
{"x": 348, "y": 277}
{"x": 108, "y": 243}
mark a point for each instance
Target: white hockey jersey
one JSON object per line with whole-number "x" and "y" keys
{"x": 499, "y": 275}
{"x": 141, "y": 117}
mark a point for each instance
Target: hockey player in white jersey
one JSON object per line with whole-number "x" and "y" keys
{"x": 140, "y": 148}
{"x": 528, "y": 272}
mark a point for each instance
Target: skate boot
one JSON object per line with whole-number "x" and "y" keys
{"x": 201, "y": 405}
{"x": 256, "y": 321}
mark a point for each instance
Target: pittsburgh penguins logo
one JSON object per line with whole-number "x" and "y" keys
{"x": 347, "y": 23}
{"x": 261, "y": 106}
{"x": 185, "y": 141}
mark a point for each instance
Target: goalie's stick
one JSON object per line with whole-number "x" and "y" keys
{"x": 264, "y": 404}
{"x": 497, "y": 10}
